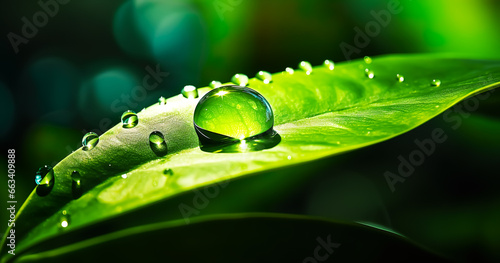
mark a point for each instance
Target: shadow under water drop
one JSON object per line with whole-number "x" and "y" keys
{"x": 218, "y": 143}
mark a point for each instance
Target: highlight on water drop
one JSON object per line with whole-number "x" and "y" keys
{"x": 329, "y": 64}
{"x": 400, "y": 77}
{"x": 189, "y": 92}
{"x": 64, "y": 219}
{"x": 89, "y": 141}
{"x": 47, "y": 182}
{"x": 162, "y": 101}
{"x": 289, "y": 70}
{"x": 240, "y": 79}
{"x": 214, "y": 84}
{"x": 369, "y": 73}
{"x": 234, "y": 115}
{"x": 264, "y": 76}
{"x": 129, "y": 119}
{"x": 367, "y": 59}
{"x": 157, "y": 143}
{"x": 306, "y": 66}
{"x": 436, "y": 82}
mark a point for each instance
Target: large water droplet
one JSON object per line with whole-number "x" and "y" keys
{"x": 367, "y": 59}
{"x": 289, "y": 70}
{"x": 369, "y": 73}
{"x": 47, "y": 182}
{"x": 400, "y": 77}
{"x": 240, "y": 79}
{"x": 190, "y": 92}
{"x": 162, "y": 101}
{"x": 436, "y": 82}
{"x": 76, "y": 184}
{"x": 265, "y": 76}
{"x": 306, "y": 66}
{"x": 157, "y": 143}
{"x": 215, "y": 84}
{"x": 129, "y": 119}
{"x": 232, "y": 114}
{"x": 89, "y": 141}
{"x": 329, "y": 64}
{"x": 64, "y": 219}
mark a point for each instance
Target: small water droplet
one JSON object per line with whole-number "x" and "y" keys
{"x": 369, "y": 73}
{"x": 329, "y": 64}
{"x": 306, "y": 66}
{"x": 289, "y": 157}
{"x": 367, "y": 59}
{"x": 89, "y": 141}
{"x": 162, "y": 101}
{"x": 64, "y": 219}
{"x": 215, "y": 84}
{"x": 109, "y": 165}
{"x": 157, "y": 143}
{"x": 76, "y": 185}
{"x": 289, "y": 70}
{"x": 400, "y": 77}
{"x": 168, "y": 172}
{"x": 190, "y": 92}
{"x": 47, "y": 182}
{"x": 436, "y": 82}
{"x": 129, "y": 119}
{"x": 124, "y": 176}
{"x": 240, "y": 79}
{"x": 231, "y": 114}
{"x": 265, "y": 76}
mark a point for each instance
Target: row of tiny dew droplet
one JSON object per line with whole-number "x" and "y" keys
{"x": 45, "y": 178}
{"x": 370, "y": 74}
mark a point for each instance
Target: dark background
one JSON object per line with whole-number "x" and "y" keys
{"x": 64, "y": 81}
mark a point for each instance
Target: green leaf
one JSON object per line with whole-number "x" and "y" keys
{"x": 239, "y": 238}
{"x": 317, "y": 115}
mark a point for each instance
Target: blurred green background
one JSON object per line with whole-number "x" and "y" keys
{"x": 78, "y": 68}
